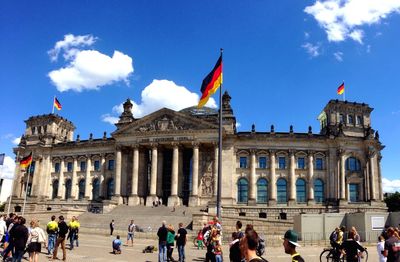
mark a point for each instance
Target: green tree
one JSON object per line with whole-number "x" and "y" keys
{"x": 393, "y": 202}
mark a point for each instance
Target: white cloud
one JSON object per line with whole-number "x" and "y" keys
{"x": 338, "y": 56}
{"x": 238, "y": 124}
{"x": 16, "y": 140}
{"x": 87, "y": 69}
{"x": 368, "y": 50}
{"x": 306, "y": 35}
{"x": 342, "y": 19}
{"x": 390, "y": 186}
{"x": 7, "y": 170}
{"x": 159, "y": 94}
{"x": 109, "y": 119}
{"x": 312, "y": 50}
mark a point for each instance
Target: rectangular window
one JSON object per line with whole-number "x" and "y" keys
{"x": 83, "y": 166}
{"x": 57, "y": 167}
{"x": 243, "y": 162}
{"x": 97, "y": 165}
{"x": 350, "y": 119}
{"x": 69, "y": 167}
{"x": 282, "y": 162}
{"x": 262, "y": 162}
{"x": 341, "y": 118}
{"x": 358, "y": 120}
{"x": 111, "y": 164}
{"x": 301, "y": 163}
{"x": 353, "y": 188}
{"x": 319, "y": 164}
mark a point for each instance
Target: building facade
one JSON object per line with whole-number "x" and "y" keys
{"x": 172, "y": 156}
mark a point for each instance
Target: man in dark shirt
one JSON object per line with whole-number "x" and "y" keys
{"x": 62, "y": 232}
{"x": 19, "y": 234}
{"x": 162, "y": 243}
{"x": 392, "y": 247}
{"x": 11, "y": 221}
{"x": 290, "y": 244}
{"x": 351, "y": 247}
{"x": 181, "y": 242}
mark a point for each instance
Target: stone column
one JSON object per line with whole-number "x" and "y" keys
{"x": 174, "y": 199}
{"x": 102, "y": 174}
{"x": 215, "y": 171}
{"x": 292, "y": 179}
{"x": 36, "y": 188}
{"x": 272, "y": 179}
{"x": 372, "y": 175}
{"x": 74, "y": 183}
{"x": 310, "y": 177}
{"x": 47, "y": 179}
{"x": 16, "y": 190}
{"x": 153, "y": 177}
{"x": 342, "y": 184}
{"x": 194, "y": 199}
{"x": 88, "y": 179}
{"x": 134, "y": 198}
{"x": 252, "y": 178}
{"x": 118, "y": 166}
{"x": 61, "y": 183}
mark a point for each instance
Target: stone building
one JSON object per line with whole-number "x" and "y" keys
{"x": 172, "y": 156}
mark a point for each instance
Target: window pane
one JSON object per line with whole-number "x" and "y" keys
{"x": 243, "y": 162}
{"x": 96, "y": 165}
{"x": 55, "y": 189}
{"x": 242, "y": 190}
{"x": 81, "y": 189}
{"x": 262, "y": 162}
{"x": 301, "y": 190}
{"x": 281, "y": 190}
{"x": 358, "y": 120}
{"x": 318, "y": 191}
{"x": 350, "y": 119}
{"x": 354, "y": 196}
{"x": 83, "y": 166}
{"x": 110, "y": 188}
{"x": 319, "y": 164}
{"x": 57, "y": 167}
{"x": 282, "y": 162}
{"x": 111, "y": 164}
{"x": 262, "y": 191}
{"x": 300, "y": 163}
{"x": 69, "y": 167}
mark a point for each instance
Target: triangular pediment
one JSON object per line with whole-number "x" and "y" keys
{"x": 165, "y": 120}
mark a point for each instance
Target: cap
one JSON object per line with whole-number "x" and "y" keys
{"x": 292, "y": 237}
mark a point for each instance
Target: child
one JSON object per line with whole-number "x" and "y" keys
{"x": 200, "y": 239}
{"x": 116, "y": 245}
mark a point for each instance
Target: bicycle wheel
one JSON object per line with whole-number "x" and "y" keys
{"x": 326, "y": 255}
{"x": 365, "y": 256}
{"x": 195, "y": 242}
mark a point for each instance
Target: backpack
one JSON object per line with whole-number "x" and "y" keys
{"x": 333, "y": 237}
{"x": 260, "y": 247}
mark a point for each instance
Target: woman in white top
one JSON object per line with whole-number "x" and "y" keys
{"x": 3, "y": 228}
{"x": 380, "y": 248}
{"x": 37, "y": 237}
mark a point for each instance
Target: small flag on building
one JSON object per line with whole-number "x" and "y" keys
{"x": 211, "y": 83}
{"x": 340, "y": 89}
{"x": 26, "y": 161}
{"x": 2, "y": 159}
{"x": 57, "y": 104}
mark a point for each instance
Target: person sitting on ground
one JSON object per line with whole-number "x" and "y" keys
{"x": 116, "y": 245}
{"x": 350, "y": 247}
{"x": 290, "y": 244}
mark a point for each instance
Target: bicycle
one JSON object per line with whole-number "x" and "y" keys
{"x": 330, "y": 254}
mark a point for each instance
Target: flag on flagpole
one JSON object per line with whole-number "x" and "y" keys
{"x": 340, "y": 89}
{"x": 211, "y": 83}
{"x": 26, "y": 161}
{"x": 2, "y": 159}
{"x": 57, "y": 104}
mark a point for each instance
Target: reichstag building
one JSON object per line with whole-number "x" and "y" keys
{"x": 171, "y": 156}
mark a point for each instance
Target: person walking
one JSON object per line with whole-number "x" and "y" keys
{"x": 20, "y": 235}
{"x": 131, "y": 233}
{"x": 51, "y": 229}
{"x": 181, "y": 242}
{"x": 170, "y": 243}
{"x": 392, "y": 246}
{"x": 62, "y": 232}
{"x": 9, "y": 242}
{"x": 162, "y": 234}
{"x": 290, "y": 244}
{"x": 37, "y": 237}
{"x": 112, "y": 225}
{"x": 73, "y": 227}
{"x": 380, "y": 247}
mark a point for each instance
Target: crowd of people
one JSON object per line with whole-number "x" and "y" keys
{"x": 18, "y": 239}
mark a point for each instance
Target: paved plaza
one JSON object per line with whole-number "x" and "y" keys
{"x": 98, "y": 248}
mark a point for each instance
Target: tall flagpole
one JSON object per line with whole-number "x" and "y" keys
{"x": 220, "y": 147}
{"x": 52, "y": 108}
{"x": 12, "y": 186}
{"x": 344, "y": 92}
{"x": 27, "y": 183}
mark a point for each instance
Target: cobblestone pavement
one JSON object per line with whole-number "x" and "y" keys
{"x": 98, "y": 248}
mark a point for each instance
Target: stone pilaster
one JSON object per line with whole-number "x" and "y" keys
{"x": 292, "y": 179}
{"x": 194, "y": 198}
{"x": 342, "y": 181}
{"x": 118, "y": 166}
{"x": 134, "y": 198}
{"x": 252, "y": 178}
{"x": 88, "y": 179}
{"x": 74, "y": 183}
{"x": 173, "y": 200}
{"x": 102, "y": 174}
{"x": 372, "y": 174}
{"x": 61, "y": 183}
{"x": 272, "y": 179}
{"x": 153, "y": 176}
{"x": 311, "y": 177}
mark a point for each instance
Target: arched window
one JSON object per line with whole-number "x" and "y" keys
{"x": 243, "y": 188}
{"x": 319, "y": 191}
{"x": 281, "y": 190}
{"x": 81, "y": 189}
{"x": 68, "y": 187}
{"x": 262, "y": 190}
{"x": 110, "y": 188}
{"x": 55, "y": 189}
{"x": 301, "y": 190}
{"x": 353, "y": 164}
{"x": 95, "y": 189}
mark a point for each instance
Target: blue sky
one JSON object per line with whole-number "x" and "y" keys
{"x": 283, "y": 61}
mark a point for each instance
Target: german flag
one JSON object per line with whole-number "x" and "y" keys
{"x": 57, "y": 104}
{"x": 340, "y": 89}
{"x": 211, "y": 83}
{"x": 26, "y": 161}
